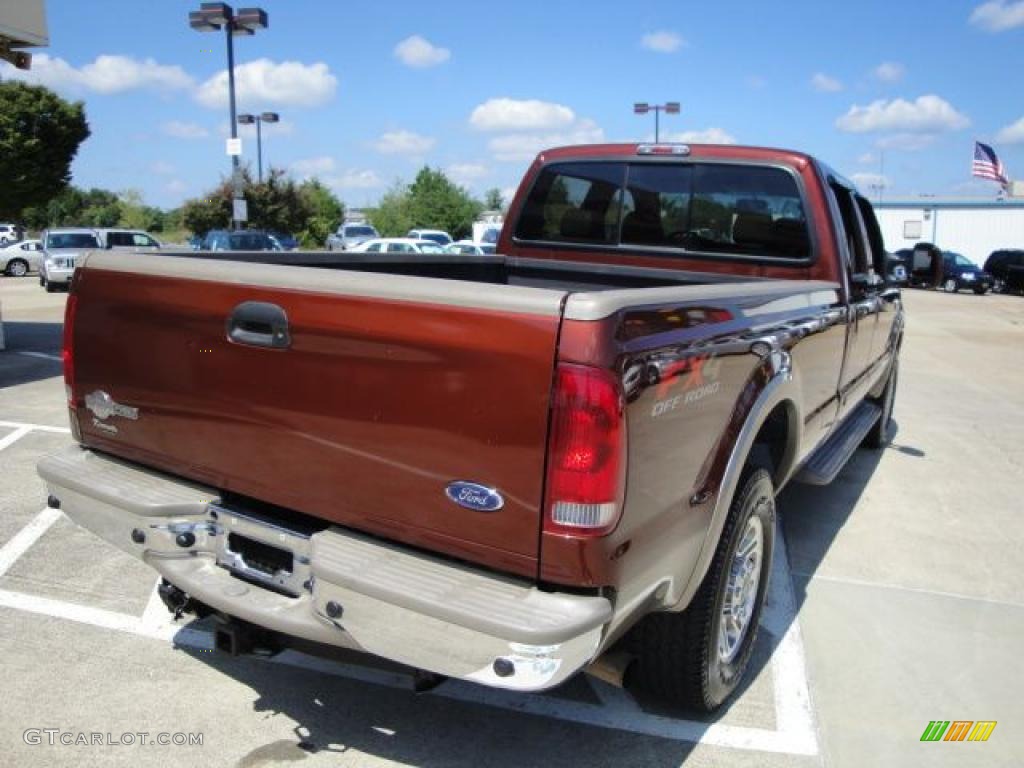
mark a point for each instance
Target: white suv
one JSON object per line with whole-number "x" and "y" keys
{"x": 9, "y": 233}
{"x": 439, "y": 236}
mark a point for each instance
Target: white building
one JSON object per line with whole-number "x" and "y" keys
{"x": 974, "y": 228}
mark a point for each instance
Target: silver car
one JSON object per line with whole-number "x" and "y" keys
{"x": 63, "y": 249}
{"x": 19, "y": 259}
{"x": 349, "y": 236}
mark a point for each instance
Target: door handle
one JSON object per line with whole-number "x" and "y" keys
{"x": 259, "y": 324}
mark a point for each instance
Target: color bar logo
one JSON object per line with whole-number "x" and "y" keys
{"x": 958, "y": 730}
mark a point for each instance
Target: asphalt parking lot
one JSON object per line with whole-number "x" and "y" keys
{"x": 897, "y": 601}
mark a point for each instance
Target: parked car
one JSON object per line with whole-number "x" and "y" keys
{"x": 439, "y": 236}
{"x": 10, "y": 233}
{"x": 469, "y": 247}
{"x": 63, "y": 250}
{"x": 130, "y": 239}
{"x": 398, "y": 245}
{"x": 20, "y": 258}
{"x": 959, "y": 272}
{"x": 496, "y": 472}
{"x": 239, "y": 240}
{"x": 195, "y": 242}
{"x": 1007, "y": 269}
{"x": 286, "y": 241}
{"x": 900, "y": 264}
{"x": 349, "y": 236}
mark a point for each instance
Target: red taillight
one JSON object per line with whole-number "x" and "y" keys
{"x": 586, "y": 453}
{"x": 67, "y": 352}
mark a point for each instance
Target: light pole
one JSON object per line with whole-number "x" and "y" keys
{"x": 669, "y": 108}
{"x": 212, "y": 17}
{"x": 266, "y": 117}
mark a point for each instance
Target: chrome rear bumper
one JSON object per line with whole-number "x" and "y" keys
{"x": 361, "y": 593}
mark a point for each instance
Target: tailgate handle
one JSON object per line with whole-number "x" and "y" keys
{"x": 259, "y": 324}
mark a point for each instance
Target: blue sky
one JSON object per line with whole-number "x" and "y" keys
{"x": 368, "y": 92}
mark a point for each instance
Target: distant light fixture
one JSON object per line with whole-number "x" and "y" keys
{"x": 247, "y": 119}
{"x": 198, "y": 21}
{"x": 270, "y": 117}
{"x": 641, "y": 108}
{"x": 217, "y": 14}
{"x": 251, "y": 19}
{"x": 672, "y": 108}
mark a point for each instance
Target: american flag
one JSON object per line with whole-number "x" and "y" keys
{"x": 987, "y": 165}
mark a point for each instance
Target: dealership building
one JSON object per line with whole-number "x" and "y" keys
{"x": 973, "y": 227}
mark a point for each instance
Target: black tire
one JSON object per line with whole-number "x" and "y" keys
{"x": 50, "y": 287}
{"x": 678, "y": 657}
{"x": 981, "y": 291}
{"x": 17, "y": 268}
{"x": 878, "y": 437}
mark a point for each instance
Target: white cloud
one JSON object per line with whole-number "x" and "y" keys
{"x": 312, "y": 166}
{"x": 175, "y": 187}
{"x": 825, "y": 84}
{"x": 520, "y": 115}
{"x": 1012, "y": 134}
{"x": 353, "y": 179}
{"x": 909, "y": 142}
{"x": 890, "y": 71}
{"x": 867, "y": 181}
{"x": 418, "y": 52}
{"x": 403, "y": 143}
{"x": 162, "y": 168}
{"x": 107, "y": 74}
{"x": 926, "y": 114}
{"x": 466, "y": 173}
{"x": 524, "y": 146}
{"x": 706, "y": 136}
{"x": 662, "y": 41}
{"x": 264, "y": 83}
{"x": 998, "y": 15}
{"x": 183, "y": 130}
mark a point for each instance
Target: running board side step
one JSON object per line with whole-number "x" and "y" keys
{"x": 826, "y": 462}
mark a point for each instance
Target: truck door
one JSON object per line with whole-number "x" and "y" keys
{"x": 888, "y": 292}
{"x": 863, "y": 288}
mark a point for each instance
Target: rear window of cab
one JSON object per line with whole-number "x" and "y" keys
{"x": 750, "y": 210}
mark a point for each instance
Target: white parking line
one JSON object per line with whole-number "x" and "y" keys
{"x": 43, "y": 355}
{"x": 35, "y": 427}
{"x": 26, "y": 537}
{"x": 14, "y": 437}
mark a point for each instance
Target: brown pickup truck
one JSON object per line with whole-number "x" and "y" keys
{"x": 495, "y": 468}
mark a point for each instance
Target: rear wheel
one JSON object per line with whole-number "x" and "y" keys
{"x": 981, "y": 291}
{"x": 950, "y": 286}
{"x": 698, "y": 657}
{"x": 50, "y": 287}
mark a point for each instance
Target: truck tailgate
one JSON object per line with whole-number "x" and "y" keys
{"x": 389, "y": 389}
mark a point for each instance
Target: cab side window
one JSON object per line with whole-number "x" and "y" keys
{"x": 857, "y": 254}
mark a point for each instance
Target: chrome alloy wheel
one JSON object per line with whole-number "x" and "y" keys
{"x": 741, "y": 590}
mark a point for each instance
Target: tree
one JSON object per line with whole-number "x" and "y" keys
{"x": 434, "y": 201}
{"x": 327, "y": 213}
{"x": 392, "y": 217}
{"x": 39, "y": 136}
{"x": 278, "y": 205}
{"x": 493, "y": 200}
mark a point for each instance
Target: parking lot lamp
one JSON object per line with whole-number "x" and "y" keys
{"x": 212, "y": 17}
{"x": 266, "y": 117}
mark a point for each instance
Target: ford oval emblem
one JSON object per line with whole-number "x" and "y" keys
{"x": 474, "y": 496}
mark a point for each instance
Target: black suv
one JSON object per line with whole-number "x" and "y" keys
{"x": 1007, "y": 269}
